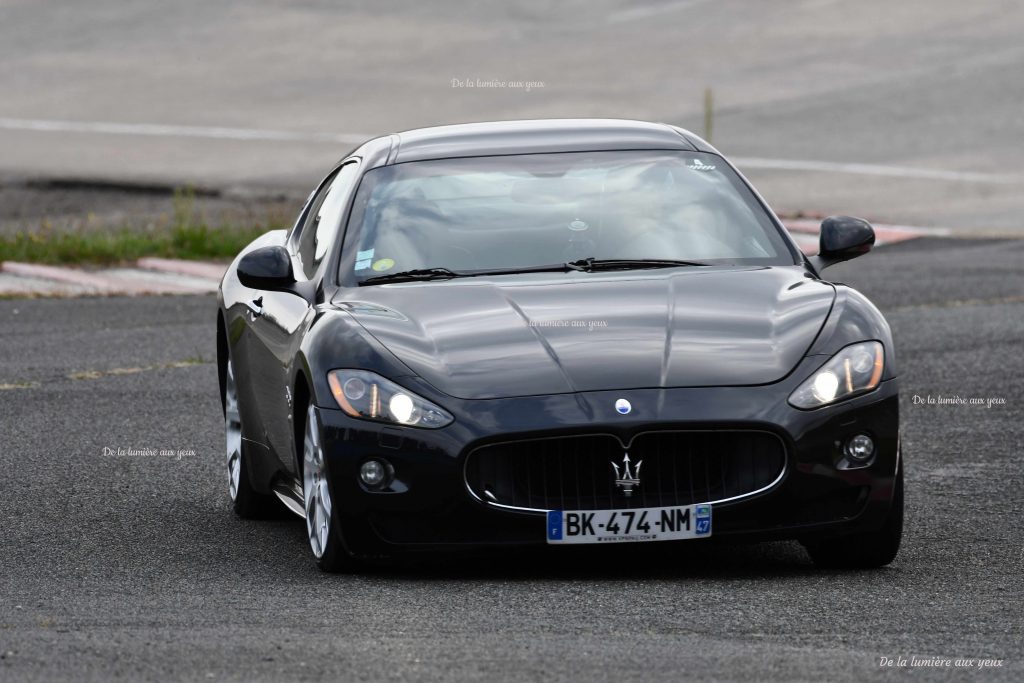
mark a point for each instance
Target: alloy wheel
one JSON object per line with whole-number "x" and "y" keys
{"x": 315, "y": 491}
{"x": 233, "y": 431}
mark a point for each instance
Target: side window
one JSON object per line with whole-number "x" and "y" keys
{"x": 294, "y": 230}
{"x": 322, "y": 224}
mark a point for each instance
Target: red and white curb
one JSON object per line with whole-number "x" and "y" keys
{"x": 805, "y": 231}
{"x": 148, "y": 276}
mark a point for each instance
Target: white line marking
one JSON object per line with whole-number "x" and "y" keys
{"x": 874, "y": 169}
{"x": 160, "y": 130}
{"x": 259, "y": 134}
{"x": 650, "y": 11}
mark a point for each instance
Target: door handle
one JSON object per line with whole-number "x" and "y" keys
{"x": 256, "y": 307}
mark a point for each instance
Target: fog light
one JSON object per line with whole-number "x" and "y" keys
{"x": 860, "y": 448}
{"x": 373, "y": 472}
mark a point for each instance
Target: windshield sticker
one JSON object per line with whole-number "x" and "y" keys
{"x": 364, "y": 259}
{"x": 698, "y": 165}
{"x": 383, "y": 264}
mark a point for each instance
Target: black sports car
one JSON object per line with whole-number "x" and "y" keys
{"x": 556, "y": 332}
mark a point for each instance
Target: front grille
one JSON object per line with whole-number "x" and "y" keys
{"x": 579, "y": 472}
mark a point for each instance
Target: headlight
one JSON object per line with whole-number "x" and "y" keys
{"x": 854, "y": 370}
{"x": 365, "y": 394}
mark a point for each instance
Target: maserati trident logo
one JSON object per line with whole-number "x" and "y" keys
{"x": 625, "y": 478}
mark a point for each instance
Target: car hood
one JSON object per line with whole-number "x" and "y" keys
{"x": 509, "y": 336}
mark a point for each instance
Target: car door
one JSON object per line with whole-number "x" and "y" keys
{"x": 282, "y": 317}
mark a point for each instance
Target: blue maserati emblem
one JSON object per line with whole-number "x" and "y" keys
{"x": 623, "y": 406}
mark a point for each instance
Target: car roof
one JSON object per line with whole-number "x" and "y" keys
{"x": 538, "y": 136}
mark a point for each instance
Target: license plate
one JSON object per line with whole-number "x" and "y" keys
{"x": 629, "y": 526}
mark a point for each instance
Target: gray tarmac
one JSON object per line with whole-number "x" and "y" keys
{"x": 270, "y": 94}
{"x": 135, "y": 568}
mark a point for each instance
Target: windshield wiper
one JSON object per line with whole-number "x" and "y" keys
{"x": 413, "y": 275}
{"x": 421, "y": 274}
{"x": 592, "y": 264}
{"x": 588, "y": 265}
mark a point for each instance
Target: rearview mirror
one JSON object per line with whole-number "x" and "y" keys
{"x": 842, "y": 238}
{"x": 549, "y": 191}
{"x": 267, "y": 268}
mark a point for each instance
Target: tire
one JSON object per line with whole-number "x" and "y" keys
{"x": 865, "y": 550}
{"x": 323, "y": 531}
{"x": 246, "y": 501}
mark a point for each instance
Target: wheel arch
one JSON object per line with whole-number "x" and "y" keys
{"x": 302, "y": 397}
{"x": 222, "y": 358}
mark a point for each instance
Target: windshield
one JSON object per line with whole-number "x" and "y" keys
{"x": 521, "y": 211}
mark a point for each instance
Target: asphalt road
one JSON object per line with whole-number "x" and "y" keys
{"x": 135, "y": 567}
{"x": 271, "y": 93}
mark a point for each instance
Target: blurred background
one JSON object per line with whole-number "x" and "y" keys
{"x": 906, "y": 113}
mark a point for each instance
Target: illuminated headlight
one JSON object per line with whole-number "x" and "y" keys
{"x": 854, "y": 370}
{"x": 367, "y": 395}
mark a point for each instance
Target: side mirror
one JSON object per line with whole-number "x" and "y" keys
{"x": 268, "y": 268}
{"x": 842, "y": 238}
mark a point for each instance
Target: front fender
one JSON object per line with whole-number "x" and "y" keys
{"x": 853, "y": 319}
{"x": 336, "y": 340}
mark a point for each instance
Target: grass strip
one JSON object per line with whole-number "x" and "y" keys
{"x": 185, "y": 236}
{"x": 183, "y": 242}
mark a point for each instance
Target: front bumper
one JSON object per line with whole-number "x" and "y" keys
{"x": 429, "y": 506}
